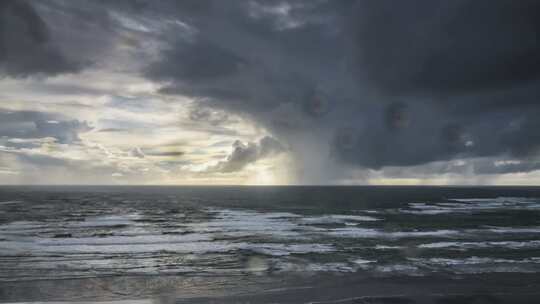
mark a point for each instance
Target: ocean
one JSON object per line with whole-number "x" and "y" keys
{"x": 270, "y": 244}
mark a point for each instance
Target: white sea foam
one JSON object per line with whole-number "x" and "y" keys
{"x": 474, "y": 261}
{"x": 10, "y": 203}
{"x": 21, "y": 226}
{"x": 287, "y": 249}
{"x": 386, "y": 247}
{"x": 474, "y": 264}
{"x": 481, "y": 245}
{"x": 363, "y": 261}
{"x": 330, "y": 267}
{"x": 199, "y": 247}
{"x": 283, "y": 266}
{"x": 236, "y": 223}
{"x": 243, "y": 223}
{"x": 515, "y": 229}
{"x": 472, "y": 205}
{"x": 142, "y": 243}
{"x": 501, "y": 199}
{"x": 121, "y": 240}
{"x": 399, "y": 268}
{"x": 106, "y": 221}
{"x": 355, "y": 232}
{"x": 434, "y": 211}
{"x": 337, "y": 219}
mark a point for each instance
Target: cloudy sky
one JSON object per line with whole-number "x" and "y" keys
{"x": 270, "y": 92}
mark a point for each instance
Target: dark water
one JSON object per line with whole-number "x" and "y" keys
{"x": 73, "y": 243}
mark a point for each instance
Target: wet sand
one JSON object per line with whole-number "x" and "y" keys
{"x": 477, "y": 289}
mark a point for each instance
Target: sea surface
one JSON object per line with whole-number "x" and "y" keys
{"x": 270, "y": 244}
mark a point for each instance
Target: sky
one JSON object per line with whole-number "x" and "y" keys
{"x": 254, "y": 92}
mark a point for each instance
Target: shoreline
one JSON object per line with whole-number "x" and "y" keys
{"x": 352, "y": 288}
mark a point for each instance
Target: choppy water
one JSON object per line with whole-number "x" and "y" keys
{"x": 58, "y": 233}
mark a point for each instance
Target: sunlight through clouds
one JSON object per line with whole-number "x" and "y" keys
{"x": 250, "y": 92}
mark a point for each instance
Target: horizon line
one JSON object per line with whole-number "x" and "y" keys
{"x": 256, "y": 185}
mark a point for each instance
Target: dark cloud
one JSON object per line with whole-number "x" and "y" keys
{"x": 244, "y": 154}
{"x": 161, "y": 150}
{"x": 200, "y": 62}
{"x": 501, "y": 167}
{"x": 165, "y": 153}
{"x": 383, "y": 83}
{"x": 448, "y": 47}
{"x": 206, "y": 115}
{"x": 240, "y": 59}
{"x": 367, "y": 84}
{"x": 33, "y": 124}
{"x": 485, "y": 166}
{"x": 202, "y": 70}
{"x": 112, "y": 130}
{"x": 26, "y": 46}
{"x": 421, "y": 133}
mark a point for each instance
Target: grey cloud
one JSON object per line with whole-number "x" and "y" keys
{"x": 136, "y": 152}
{"x": 223, "y": 143}
{"x": 244, "y": 154}
{"x": 202, "y": 61}
{"x": 39, "y": 169}
{"x": 26, "y": 46}
{"x": 243, "y": 62}
{"x": 409, "y": 82}
{"x": 367, "y": 84}
{"x": 37, "y": 160}
{"x": 422, "y": 133}
{"x": 12, "y": 144}
{"x": 169, "y": 149}
{"x": 112, "y": 130}
{"x": 207, "y": 115}
{"x": 165, "y": 153}
{"x": 33, "y": 124}
{"x": 167, "y": 165}
{"x": 501, "y": 167}
{"x": 214, "y": 129}
{"x": 482, "y": 168}
{"x": 65, "y": 131}
{"x": 57, "y": 36}
{"x": 269, "y": 146}
{"x": 447, "y": 47}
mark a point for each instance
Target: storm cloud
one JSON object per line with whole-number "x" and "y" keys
{"x": 448, "y": 47}
{"x": 410, "y": 82}
{"x": 26, "y": 46}
{"x": 386, "y": 86}
{"x": 244, "y": 154}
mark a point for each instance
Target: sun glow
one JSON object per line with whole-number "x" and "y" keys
{"x": 264, "y": 177}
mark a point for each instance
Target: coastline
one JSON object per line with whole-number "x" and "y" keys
{"x": 351, "y": 288}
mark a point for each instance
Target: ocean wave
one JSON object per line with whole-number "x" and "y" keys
{"x": 337, "y": 219}
{"x": 355, "y": 232}
{"x": 225, "y": 240}
{"x": 473, "y": 261}
{"x": 199, "y": 247}
{"x": 482, "y": 245}
{"x": 10, "y": 203}
{"x": 471, "y": 205}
